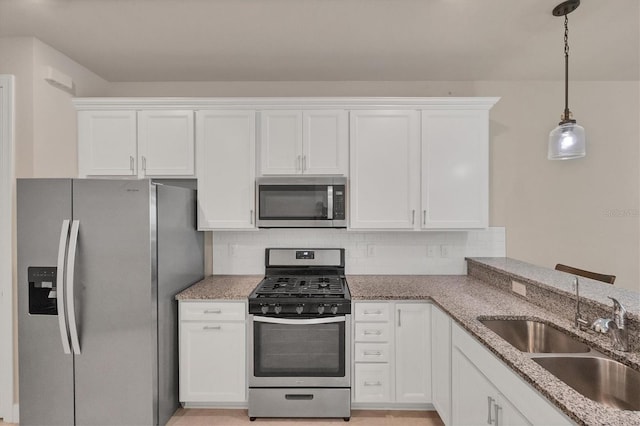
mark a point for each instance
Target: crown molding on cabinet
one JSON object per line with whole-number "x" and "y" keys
{"x": 466, "y": 103}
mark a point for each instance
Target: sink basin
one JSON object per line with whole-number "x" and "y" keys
{"x": 603, "y": 380}
{"x": 535, "y": 336}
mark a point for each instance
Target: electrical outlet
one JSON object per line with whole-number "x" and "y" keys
{"x": 371, "y": 250}
{"x": 519, "y": 288}
{"x": 445, "y": 250}
{"x": 233, "y": 250}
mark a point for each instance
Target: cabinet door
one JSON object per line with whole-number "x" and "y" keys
{"x": 413, "y": 352}
{"x": 325, "y": 142}
{"x": 107, "y": 143}
{"x": 455, "y": 173}
{"x": 166, "y": 145}
{"x": 384, "y": 169}
{"x": 280, "y": 142}
{"x": 473, "y": 395}
{"x": 212, "y": 362}
{"x": 508, "y": 414}
{"x": 226, "y": 169}
{"x": 441, "y": 363}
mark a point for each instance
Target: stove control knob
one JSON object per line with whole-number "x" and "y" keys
{"x": 334, "y": 309}
{"x": 320, "y": 309}
{"x": 299, "y": 309}
{"x": 278, "y": 309}
{"x": 264, "y": 309}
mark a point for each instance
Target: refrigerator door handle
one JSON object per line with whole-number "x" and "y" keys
{"x": 71, "y": 263}
{"x": 62, "y": 318}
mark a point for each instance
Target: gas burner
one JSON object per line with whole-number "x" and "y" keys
{"x": 295, "y": 279}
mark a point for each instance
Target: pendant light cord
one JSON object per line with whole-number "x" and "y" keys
{"x": 567, "y": 114}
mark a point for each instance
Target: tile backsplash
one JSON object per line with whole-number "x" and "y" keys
{"x": 368, "y": 253}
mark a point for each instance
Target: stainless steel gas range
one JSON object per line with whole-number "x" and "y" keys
{"x": 300, "y": 336}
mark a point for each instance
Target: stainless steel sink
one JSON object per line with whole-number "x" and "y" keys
{"x": 603, "y": 380}
{"x": 535, "y": 336}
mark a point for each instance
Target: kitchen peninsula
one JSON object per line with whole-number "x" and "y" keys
{"x": 486, "y": 293}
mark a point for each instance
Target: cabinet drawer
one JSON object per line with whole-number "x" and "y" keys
{"x": 372, "y": 383}
{"x": 372, "y": 312}
{"x": 372, "y": 332}
{"x": 213, "y": 311}
{"x": 372, "y": 352}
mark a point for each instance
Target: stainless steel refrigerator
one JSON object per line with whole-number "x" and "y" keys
{"x": 99, "y": 263}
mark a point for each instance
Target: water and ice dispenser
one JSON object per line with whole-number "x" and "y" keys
{"x": 42, "y": 290}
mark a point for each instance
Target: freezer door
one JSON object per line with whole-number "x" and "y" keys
{"x": 115, "y": 286}
{"x": 45, "y": 372}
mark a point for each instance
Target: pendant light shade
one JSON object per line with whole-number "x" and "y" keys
{"x": 567, "y": 141}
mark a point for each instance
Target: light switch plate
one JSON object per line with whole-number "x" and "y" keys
{"x": 519, "y": 288}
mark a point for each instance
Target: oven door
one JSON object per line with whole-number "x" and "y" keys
{"x": 300, "y": 352}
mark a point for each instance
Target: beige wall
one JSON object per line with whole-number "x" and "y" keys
{"x": 45, "y": 117}
{"x": 584, "y": 212}
{"x": 54, "y": 117}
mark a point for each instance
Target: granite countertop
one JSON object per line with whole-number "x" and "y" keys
{"x": 464, "y": 299}
{"x": 229, "y": 287}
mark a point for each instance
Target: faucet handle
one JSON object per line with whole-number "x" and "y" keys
{"x": 619, "y": 313}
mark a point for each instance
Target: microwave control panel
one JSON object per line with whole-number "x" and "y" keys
{"x": 338, "y": 203}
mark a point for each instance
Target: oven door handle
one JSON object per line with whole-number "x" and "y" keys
{"x": 306, "y": 321}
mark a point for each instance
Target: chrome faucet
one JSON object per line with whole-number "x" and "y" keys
{"x": 580, "y": 322}
{"x": 618, "y": 327}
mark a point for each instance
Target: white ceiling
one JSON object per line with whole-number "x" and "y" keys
{"x": 316, "y": 40}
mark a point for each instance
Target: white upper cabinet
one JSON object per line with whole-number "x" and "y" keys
{"x": 420, "y": 169}
{"x": 156, "y": 143}
{"x": 455, "y": 168}
{"x": 107, "y": 143}
{"x": 166, "y": 143}
{"x": 385, "y": 169}
{"x": 294, "y": 142}
{"x": 226, "y": 169}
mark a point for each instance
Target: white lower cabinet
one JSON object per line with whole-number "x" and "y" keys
{"x": 392, "y": 349}
{"x": 476, "y": 398}
{"x": 485, "y": 391}
{"x": 441, "y": 363}
{"x": 212, "y": 352}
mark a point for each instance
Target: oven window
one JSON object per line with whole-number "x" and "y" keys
{"x": 303, "y": 202}
{"x": 299, "y": 350}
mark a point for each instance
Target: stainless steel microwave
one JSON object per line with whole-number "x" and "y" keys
{"x": 301, "y": 202}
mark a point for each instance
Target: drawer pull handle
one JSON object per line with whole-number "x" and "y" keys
{"x": 378, "y": 312}
{"x": 372, "y": 332}
{"x": 372, "y": 383}
{"x": 212, "y": 327}
{"x": 373, "y": 353}
{"x": 489, "y": 404}
{"x": 299, "y": 397}
{"x": 213, "y": 311}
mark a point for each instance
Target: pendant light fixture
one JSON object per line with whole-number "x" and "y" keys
{"x": 567, "y": 141}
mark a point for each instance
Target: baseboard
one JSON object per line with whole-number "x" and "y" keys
{"x": 392, "y": 406}
{"x": 229, "y": 405}
{"x": 15, "y": 418}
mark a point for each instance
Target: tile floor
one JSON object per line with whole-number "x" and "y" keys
{"x": 219, "y": 417}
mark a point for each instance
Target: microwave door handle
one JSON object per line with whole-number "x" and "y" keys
{"x": 330, "y": 202}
